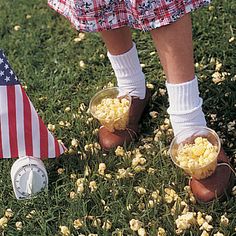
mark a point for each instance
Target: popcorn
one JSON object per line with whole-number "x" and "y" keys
{"x": 185, "y": 221}
{"x": 74, "y": 142}
{"x": 107, "y": 225}
{"x": 142, "y": 232}
{"x": 113, "y": 113}
{"x": 78, "y": 224}
{"x": 204, "y": 233}
{"x": 218, "y": 234}
{"x": 64, "y": 230}
{"x": 120, "y": 151}
{"x": 9, "y": 213}
{"x": 140, "y": 190}
{"x": 101, "y": 168}
{"x": 135, "y": 225}
{"x": 224, "y": 220}
{"x": 60, "y": 171}
{"x": 198, "y": 159}
{"x": 72, "y": 195}
{"x": 93, "y": 186}
{"x": 161, "y": 232}
{"x": 170, "y": 195}
{"x": 3, "y": 222}
{"x": 206, "y": 226}
{"x": 51, "y": 127}
{"x": 19, "y": 225}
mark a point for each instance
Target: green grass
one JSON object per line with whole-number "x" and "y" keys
{"x": 46, "y": 59}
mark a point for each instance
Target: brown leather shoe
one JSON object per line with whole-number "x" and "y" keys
{"x": 216, "y": 186}
{"x": 109, "y": 140}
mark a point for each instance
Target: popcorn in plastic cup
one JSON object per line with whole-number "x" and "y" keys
{"x": 111, "y": 107}
{"x": 195, "y": 150}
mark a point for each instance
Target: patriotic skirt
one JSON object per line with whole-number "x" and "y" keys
{"x": 99, "y": 15}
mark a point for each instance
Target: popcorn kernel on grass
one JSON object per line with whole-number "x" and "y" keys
{"x": 113, "y": 113}
{"x": 198, "y": 158}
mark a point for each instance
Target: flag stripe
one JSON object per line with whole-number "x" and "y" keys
{"x": 20, "y": 121}
{"x": 1, "y": 156}
{"x": 62, "y": 148}
{"x": 35, "y": 132}
{"x": 27, "y": 124}
{"x": 43, "y": 139}
{"x": 51, "y": 146}
{"x": 57, "y": 148}
{"x": 11, "y": 99}
{"x": 4, "y": 121}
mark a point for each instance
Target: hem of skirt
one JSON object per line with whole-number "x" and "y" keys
{"x": 143, "y": 27}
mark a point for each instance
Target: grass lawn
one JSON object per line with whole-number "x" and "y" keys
{"x": 60, "y": 74}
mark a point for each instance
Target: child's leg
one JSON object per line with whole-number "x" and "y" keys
{"x": 174, "y": 46}
{"x": 117, "y": 41}
{"x": 123, "y": 56}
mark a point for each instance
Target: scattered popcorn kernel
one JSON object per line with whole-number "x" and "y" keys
{"x": 206, "y": 226}
{"x": 77, "y": 39}
{"x": 51, "y": 127}
{"x": 3, "y": 222}
{"x": 81, "y": 35}
{"x": 224, "y": 220}
{"x": 67, "y": 109}
{"x": 96, "y": 222}
{"x": 153, "y": 114}
{"x": 74, "y": 142}
{"x": 78, "y": 224}
{"x": 135, "y": 225}
{"x": 204, "y": 233}
{"x": 142, "y": 232}
{"x": 17, "y": 27}
{"x": 185, "y": 221}
{"x": 64, "y": 230}
{"x": 107, "y": 225}
{"x": 82, "y": 64}
{"x": 234, "y": 191}
{"x": 150, "y": 204}
{"x": 19, "y": 225}
{"x": 93, "y": 186}
{"x": 72, "y": 195}
{"x": 161, "y": 232}
{"x": 218, "y": 234}
{"x": 73, "y": 176}
{"x": 140, "y": 190}
{"x": 120, "y": 151}
{"x": 60, "y": 171}
{"x": 231, "y": 39}
{"x": 101, "y": 168}
{"x": 150, "y": 86}
{"x": 162, "y": 91}
{"x": 9, "y": 213}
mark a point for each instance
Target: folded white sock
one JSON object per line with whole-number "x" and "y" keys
{"x": 185, "y": 105}
{"x": 128, "y": 71}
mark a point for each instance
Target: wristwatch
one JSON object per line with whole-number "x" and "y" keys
{"x": 29, "y": 176}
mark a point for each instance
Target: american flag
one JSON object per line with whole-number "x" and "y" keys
{"x": 22, "y": 131}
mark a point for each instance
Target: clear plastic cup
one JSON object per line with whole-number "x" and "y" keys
{"x": 120, "y": 122}
{"x": 187, "y": 137}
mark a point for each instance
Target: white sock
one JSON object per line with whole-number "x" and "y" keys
{"x": 128, "y": 71}
{"x": 185, "y": 108}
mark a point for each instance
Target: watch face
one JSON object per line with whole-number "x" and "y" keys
{"x": 30, "y": 179}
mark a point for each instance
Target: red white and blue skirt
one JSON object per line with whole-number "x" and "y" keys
{"x": 99, "y": 15}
